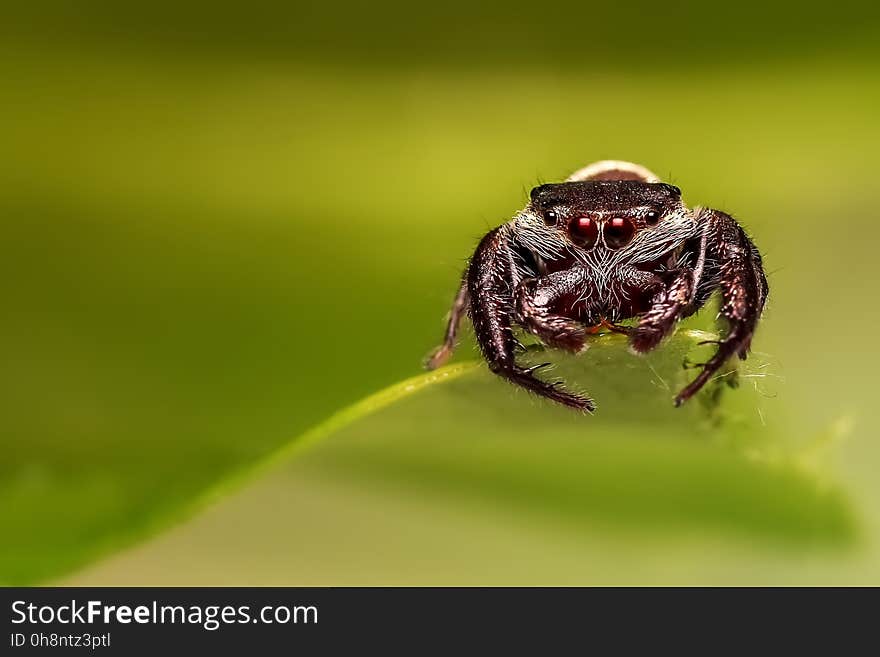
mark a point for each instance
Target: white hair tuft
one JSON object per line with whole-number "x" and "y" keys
{"x": 613, "y": 170}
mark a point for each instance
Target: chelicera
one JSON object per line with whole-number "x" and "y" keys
{"x": 611, "y": 243}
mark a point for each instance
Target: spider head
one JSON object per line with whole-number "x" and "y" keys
{"x": 604, "y": 214}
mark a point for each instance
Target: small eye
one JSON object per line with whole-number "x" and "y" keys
{"x": 550, "y": 217}
{"x": 652, "y": 218}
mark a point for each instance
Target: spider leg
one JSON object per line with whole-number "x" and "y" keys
{"x": 459, "y": 307}
{"x": 492, "y": 277}
{"x": 534, "y": 298}
{"x": 666, "y": 308}
{"x": 740, "y": 276}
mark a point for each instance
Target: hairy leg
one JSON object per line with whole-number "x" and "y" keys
{"x": 666, "y": 307}
{"x": 459, "y": 307}
{"x": 492, "y": 278}
{"x": 739, "y": 275}
{"x": 534, "y": 299}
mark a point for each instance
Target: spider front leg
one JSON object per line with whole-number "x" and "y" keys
{"x": 492, "y": 279}
{"x": 733, "y": 265}
{"x": 667, "y": 307}
{"x": 534, "y": 299}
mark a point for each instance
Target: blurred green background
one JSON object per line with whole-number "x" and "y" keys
{"x": 221, "y": 224}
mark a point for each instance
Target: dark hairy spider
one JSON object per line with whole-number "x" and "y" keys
{"x": 610, "y": 243}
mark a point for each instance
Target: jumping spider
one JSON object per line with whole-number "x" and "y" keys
{"x": 610, "y": 243}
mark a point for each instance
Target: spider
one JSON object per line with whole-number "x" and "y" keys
{"x": 610, "y": 243}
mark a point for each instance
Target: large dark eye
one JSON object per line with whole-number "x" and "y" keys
{"x": 652, "y": 218}
{"x": 584, "y": 232}
{"x": 550, "y": 217}
{"x": 618, "y": 232}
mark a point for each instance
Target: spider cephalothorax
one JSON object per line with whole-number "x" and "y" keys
{"x": 610, "y": 243}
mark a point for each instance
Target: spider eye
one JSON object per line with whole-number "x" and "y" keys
{"x": 550, "y": 217}
{"x": 584, "y": 232}
{"x": 618, "y": 232}
{"x": 652, "y": 218}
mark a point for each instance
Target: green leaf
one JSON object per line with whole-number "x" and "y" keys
{"x": 217, "y": 257}
{"x": 638, "y": 461}
{"x": 718, "y": 469}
